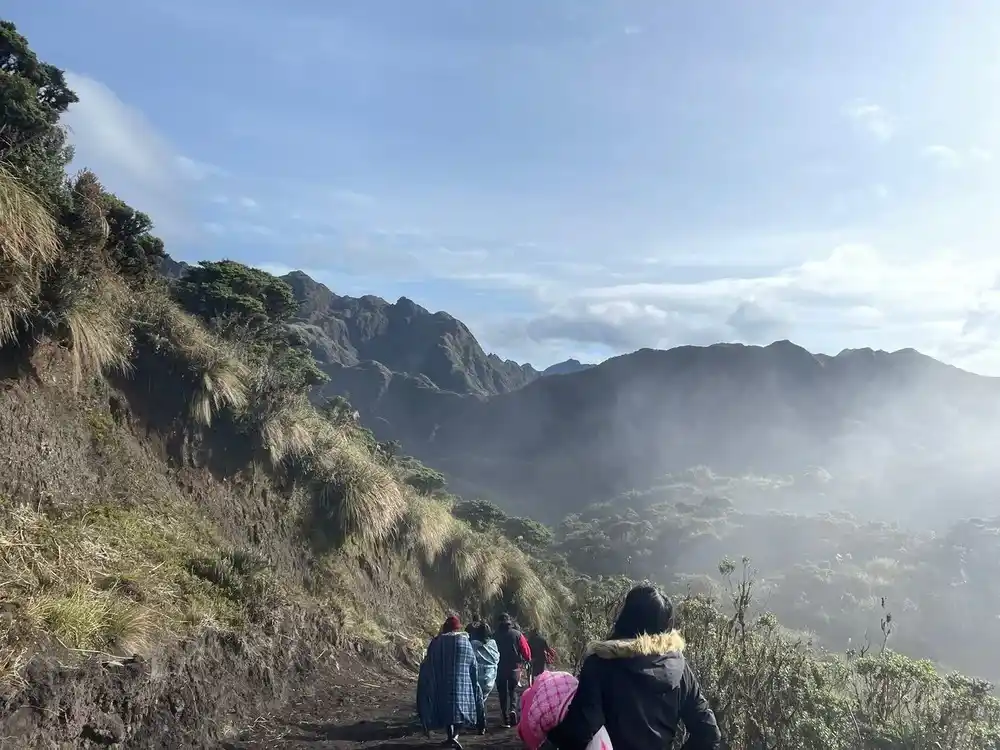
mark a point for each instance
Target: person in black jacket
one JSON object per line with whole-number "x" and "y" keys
{"x": 638, "y": 685}
{"x": 539, "y": 652}
{"x": 514, "y": 652}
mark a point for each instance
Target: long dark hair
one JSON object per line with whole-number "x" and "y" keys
{"x": 646, "y": 611}
{"x": 481, "y": 632}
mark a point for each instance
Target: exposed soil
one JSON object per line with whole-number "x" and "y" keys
{"x": 188, "y": 697}
{"x": 356, "y": 705}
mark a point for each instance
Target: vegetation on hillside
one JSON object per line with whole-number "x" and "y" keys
{"x": 211, "y": 368}
{"x": 773, "y": 690}
{"x": 825, "y": 574}
{"x": 211, "y": 364}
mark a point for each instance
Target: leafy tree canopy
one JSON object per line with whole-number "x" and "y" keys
{"x": 130, "y": 244}
{"x": 529, "y": 532}
{"x": 227, "y": 290}
{"x": 479, "y": 514}
{"x": 33, "y": 95}
{"x": 252, "y": 305}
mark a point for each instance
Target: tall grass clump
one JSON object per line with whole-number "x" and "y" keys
{"x": 427, "y": 528}
{"x": 29, "y": 244}
{"x": 524, "y": 589}
{"x": 289, "y": 429}
{"x": 357, "y": 496}
{"x": 91, "y": 316}
{"x": 216, "y": 377}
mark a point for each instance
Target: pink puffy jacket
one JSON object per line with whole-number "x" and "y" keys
{"x": 544, "y": 705}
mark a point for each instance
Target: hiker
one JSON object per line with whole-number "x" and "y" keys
{"x": 448, "y": 693}
{"x": 541, "y": 654}
{"x": 514, "y": 652}
{"x": 487, "y": 657}
{"x": 638, "y": 685}
{"x": 543, "y": 706}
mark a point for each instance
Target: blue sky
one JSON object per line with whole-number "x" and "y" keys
{"x": 569, "y": 177}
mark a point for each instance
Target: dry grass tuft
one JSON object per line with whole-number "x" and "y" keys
{"x": 216, "y": 373}
{"x": 29, "y": 243}
{"x": 361, "y": 497}
{"x": 112, "y": 580}
{"x": 94, "y": 620}
{"x": 13, "y": 657}
{"x": 96, "y": 325}
{"x": 428, "y": 527}
{"x": 527, "y": 591}
{"x": 291, "y": 429}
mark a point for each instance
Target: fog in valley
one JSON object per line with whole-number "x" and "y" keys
{"x": 845, "y": 480}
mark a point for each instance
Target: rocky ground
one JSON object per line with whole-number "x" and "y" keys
{"x": 354, "y": 705}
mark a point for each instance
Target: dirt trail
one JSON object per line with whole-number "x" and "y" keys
{"x": 360, "y": 706}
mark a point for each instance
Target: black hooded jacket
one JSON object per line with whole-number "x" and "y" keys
{"x": 639, "y": 690}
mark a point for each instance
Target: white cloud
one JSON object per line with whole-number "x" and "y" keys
{"x": 352, "y": 197}
{"x": 943, "y": 156}
{"x": 871, "y": 118}
{"x": 248, "y": 203}
{"x": 950, "y": 158}
{"x": 853, "y": 297}
{"x": 130, "y": 157}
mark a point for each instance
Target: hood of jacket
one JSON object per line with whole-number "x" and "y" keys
{"x": 656, "y": 659}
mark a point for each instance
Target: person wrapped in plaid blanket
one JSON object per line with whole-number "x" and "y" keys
{"x": 449, "y": 695}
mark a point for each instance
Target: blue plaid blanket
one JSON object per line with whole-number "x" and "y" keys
{"x": 448, "y": 689}
{"x": 487, "y": 658}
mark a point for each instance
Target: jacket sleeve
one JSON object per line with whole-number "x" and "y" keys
{"x": 522, "y": 645}
{"x": 585, "y": 715}
{"x": 697, "y": 715}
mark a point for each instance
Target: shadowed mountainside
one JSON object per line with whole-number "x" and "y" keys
{"x": 897, "y": 421}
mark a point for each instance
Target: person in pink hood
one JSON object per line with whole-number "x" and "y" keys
{"x": 543, "y": 706}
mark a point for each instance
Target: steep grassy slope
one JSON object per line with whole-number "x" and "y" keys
{"x": 183, "y": 535}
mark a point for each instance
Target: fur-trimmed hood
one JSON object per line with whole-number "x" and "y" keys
{"x": 656, "y": 662}
{"x": 645, "y": 645}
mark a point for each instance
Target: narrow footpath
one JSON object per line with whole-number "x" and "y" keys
{"x": 360, "y": 706}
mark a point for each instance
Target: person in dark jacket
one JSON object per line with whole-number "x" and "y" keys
{"x": 539, "y": 652}
{"x": 514, "y": 652}
{"x": 638, "y": 685}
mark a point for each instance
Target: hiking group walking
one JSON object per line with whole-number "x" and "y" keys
{"x": 634, "y": 689}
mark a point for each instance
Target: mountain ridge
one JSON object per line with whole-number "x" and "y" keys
{"x": 553, "y": 442}
{"x": 733, "y": 407}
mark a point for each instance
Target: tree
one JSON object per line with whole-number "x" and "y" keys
{"x": 251, "y": 306}
{"x": 236, "y": 294}
{"x": 528, "y": 532}
{"x": 480, "y": 514}
{"x": 426, "y": 480}
{"x": 33, "y": 96}
{"x": 130, "y": 245}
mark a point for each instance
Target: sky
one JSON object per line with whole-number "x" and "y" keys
{"x": 570, "y": 178}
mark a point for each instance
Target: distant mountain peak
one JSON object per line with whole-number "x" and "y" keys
{"x": 404, "y": 337}
{"x": 567, "y": 367}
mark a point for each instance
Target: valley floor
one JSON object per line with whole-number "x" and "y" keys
{"x": 359, "y": 706}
